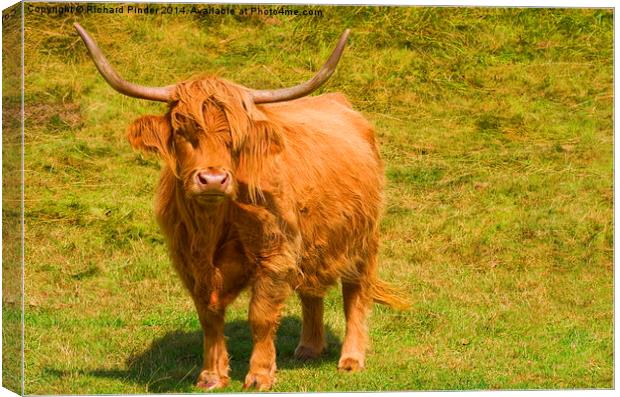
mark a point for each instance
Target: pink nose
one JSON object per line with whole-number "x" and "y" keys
{"x": 213, "y": 179}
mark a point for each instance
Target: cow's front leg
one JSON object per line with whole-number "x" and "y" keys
{"x": 268, "y": 295}
{"x": 214, "y": 373}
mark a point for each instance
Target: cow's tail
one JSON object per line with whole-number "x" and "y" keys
{"x": 386, "y": 294}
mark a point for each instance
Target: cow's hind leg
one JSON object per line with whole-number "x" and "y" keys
{"x": 312, "y": 341}
{"x": 357, "y": 302}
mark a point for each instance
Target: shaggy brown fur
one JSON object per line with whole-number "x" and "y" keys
{"x": 302, "y": 213}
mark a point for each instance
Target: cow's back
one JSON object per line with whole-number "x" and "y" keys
{"x": 331, "y": 113}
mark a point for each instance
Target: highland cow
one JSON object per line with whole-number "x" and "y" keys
{"x": 268, "y": 190}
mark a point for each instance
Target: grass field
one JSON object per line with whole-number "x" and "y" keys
{"x": 496, "y": 129}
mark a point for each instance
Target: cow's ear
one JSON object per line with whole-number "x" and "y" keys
{"x": 263, "y": 135}
{"x": 265, "y": 138}
{"x": 151, "y": 134}
{"x": 256, "y": 139}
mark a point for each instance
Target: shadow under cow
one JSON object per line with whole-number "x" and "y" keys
{"x": 173, "y": 362}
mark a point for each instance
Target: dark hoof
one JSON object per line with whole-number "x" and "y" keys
{"x": 260, "y": 382}
{"x": 349, "y": 364}
{"x": 210, "y": 381}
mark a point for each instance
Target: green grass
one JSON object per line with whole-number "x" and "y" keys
{"x": 496, "y": 130}
{"x": 11, "y": 200}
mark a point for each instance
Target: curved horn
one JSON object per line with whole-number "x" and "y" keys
{"x": 162, "y": 94}
{"x": 303, "y": 89}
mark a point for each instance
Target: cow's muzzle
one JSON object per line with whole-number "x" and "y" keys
{"x": 213, "y": 181}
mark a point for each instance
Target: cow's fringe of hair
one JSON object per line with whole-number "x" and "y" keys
{"x": 254, "y": 135}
